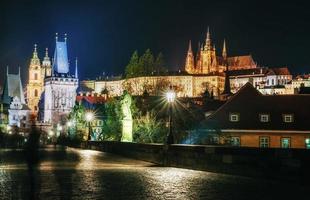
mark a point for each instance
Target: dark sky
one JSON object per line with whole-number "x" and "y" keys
{"x": 103, "y": 34}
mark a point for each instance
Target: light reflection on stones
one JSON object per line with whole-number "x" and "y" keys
{"x": 86, "y": 174}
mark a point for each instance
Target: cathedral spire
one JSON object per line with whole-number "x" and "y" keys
{"x": 208, "y": 41}
{"x": 189, "y": 62}
{"x": 190, "y": 47}
{"x": 224, "y": 52}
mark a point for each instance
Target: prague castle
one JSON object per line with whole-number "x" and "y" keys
{"x": 207, "y": 61}
{"x": 201, "y": 73}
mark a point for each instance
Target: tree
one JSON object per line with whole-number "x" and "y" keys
{"x": 112, "y": 126}
{"x": 133, "y": 68}
{"x": 148, "y": 129}
{"x": 147, "y": 62}
{"x": 159, "y": 64}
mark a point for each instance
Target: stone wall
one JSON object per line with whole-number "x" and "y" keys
{"x": 288, "y": 164}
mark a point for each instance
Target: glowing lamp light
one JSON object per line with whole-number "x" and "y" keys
{"x": 50, "y": 133}
{"x": 170, "y": 96}
{"x": 8, "y": 127}
{"x": 59, "y": 128}
{"x": 69, "y": 123}
{"x": 89, "y": 116}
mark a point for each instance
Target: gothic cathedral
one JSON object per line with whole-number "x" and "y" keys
{"x": 207, "y": 62}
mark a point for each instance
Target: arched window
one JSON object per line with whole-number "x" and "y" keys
{"x": 35, "y": 92}
{"x": 35, "y": 108}
{"x": 35, "y": 76}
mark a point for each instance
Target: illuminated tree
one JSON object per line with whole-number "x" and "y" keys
{"x": 148, "y": 129}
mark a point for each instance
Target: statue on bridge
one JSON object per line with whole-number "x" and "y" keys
{"x": 127, "y": 117}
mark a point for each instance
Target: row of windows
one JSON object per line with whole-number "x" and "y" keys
{"x": 287, "y": 118}
{"x": 264, "y": 142}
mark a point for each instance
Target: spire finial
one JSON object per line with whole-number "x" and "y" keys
{"x": 208, "y": 33}
{"x": 56, "y": 37}
{"x": 35, "y": 47}
{"x": 224, "y": 52}
{"x": 190, "y": 46}
{"x": 7, "y": 70}
{"x": 65, "y": 37}
{"x": 19, "y": 71}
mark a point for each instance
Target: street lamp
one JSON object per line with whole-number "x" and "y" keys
{"x": 170, "y": 96}
{"x": 9, "y": 128}
{"x": 69, "y": 125}
{"x": 89, "y": 116}
{"x": 59, "y": 129}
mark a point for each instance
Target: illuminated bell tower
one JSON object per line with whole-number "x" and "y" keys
{"x": 35, "y": 82}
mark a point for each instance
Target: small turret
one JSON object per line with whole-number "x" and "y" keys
{"x": 46, "y": 61}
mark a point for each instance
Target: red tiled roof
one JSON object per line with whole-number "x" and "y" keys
{"x": 241, "y": 61}
{"x": 92, "y": 99}
{"x": 281, "y": 71}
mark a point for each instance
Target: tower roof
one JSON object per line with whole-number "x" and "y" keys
{"x": 190, "y": 47}
{"x": 35, "y": 59}
{"x": 13, "y": 88}
{"x": 60, "y": 63}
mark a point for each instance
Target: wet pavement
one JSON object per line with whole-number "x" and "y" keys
{"x": 85, "y": 174}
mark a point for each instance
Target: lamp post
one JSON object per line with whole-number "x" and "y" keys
{"x": 170, "y": 96}
{"x": 89, "y": 116}
{"x": 69, "y": 125}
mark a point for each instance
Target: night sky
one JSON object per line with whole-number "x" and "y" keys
{"x": 103, "y": 34}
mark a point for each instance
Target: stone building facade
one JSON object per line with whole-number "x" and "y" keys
{"x": 185, "y": 85}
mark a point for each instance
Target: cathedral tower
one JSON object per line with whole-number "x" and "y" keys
{"x": 35, "y": 82}
{"x": 208, "y": 56}
{"x": 189, "y": 63}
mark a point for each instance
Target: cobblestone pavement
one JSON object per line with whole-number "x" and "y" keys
{"x": 86, "y": 174}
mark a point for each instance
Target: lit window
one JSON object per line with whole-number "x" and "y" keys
{"x": 285, "y": 142}
{"x": 288, "y": 118}
{"x": 264, "y": 117}
{"x": 235, "y": 141}
{"x": 307, "y": 141}
{"x": 234, "y": 117}
{"x": 264, "y": 142}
